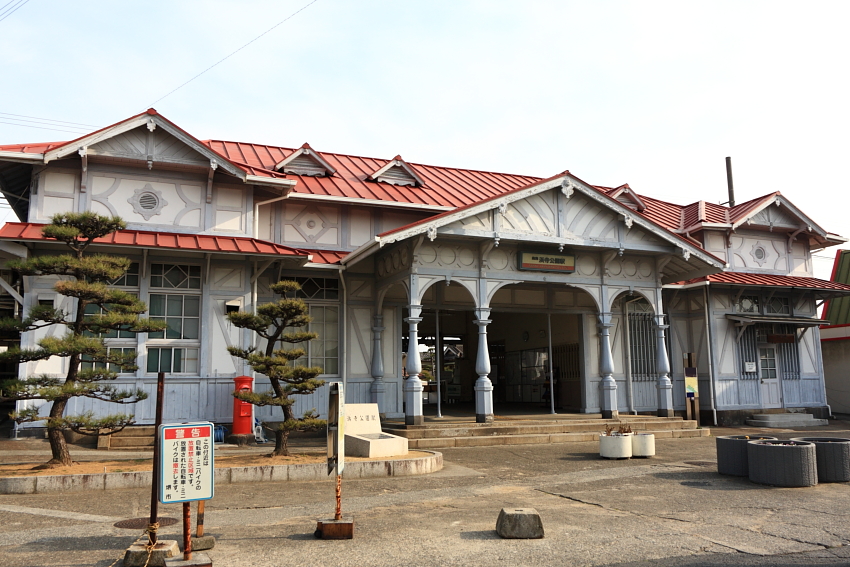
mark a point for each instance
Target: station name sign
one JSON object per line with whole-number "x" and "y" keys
{"x": 546, "y": 262}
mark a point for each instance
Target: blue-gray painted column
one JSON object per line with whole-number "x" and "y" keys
{"x": 483, "y": 385}
{"x": 413, "y": 385}
{"x": 662, "y": 361}
{"x": 608, "y": 386}
{"x": 378, "y": 388}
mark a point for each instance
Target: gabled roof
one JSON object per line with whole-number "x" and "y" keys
{"x": 766, "y": 280}
{"x": 45, "y": 153}
{"x": 448, "y": 187}
{"x": 625, "y": 195}
{"x": 565, "y": 180}
{"x": 397, "y": 172}
{"x": 837, "y": 310}
{"x": 305, "y": 161}
{"x": 31, "y": 232}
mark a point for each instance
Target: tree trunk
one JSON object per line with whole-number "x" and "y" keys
{"x": 281, "y": 439}
{"x": 58, "y": 446}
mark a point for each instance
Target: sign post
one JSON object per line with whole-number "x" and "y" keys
{"x": 186, "y": 475}
{"x": 691, "y": 388}
{"x": 339, "y": 527}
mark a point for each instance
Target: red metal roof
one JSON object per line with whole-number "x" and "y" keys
{"x": 145, "y": 239}
{"x": 769, "y": 280}
{"x": 444, "y": 186}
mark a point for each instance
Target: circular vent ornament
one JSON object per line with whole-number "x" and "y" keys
{"x": 147, "y": 201}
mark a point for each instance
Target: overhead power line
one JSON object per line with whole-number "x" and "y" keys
{"x": 223, "y": 59}
{"x": 49, "y": 120}
{"x": 76, "y": 132}
{"x": 11, "y": 10}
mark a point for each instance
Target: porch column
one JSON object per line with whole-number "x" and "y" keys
{"x": 483, "y": 385}
{"x": 413, "y": 385}
{"x": 662, "y": 361}
{"x": 378, "y": 387}
{"x": 608, "y": 386}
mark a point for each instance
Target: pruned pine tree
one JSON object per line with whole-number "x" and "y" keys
{"x": 277, "y": 322}
{"x": 98, "y": 309}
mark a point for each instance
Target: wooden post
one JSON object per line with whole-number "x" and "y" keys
{"x": 200, "y": 522}
{"x": 160, "y": 389}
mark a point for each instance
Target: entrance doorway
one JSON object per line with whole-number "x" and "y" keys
{"x": 771, "y": 396}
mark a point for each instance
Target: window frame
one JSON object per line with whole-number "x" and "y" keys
{"x": 159, "y": 344}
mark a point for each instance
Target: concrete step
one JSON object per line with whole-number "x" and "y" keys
{"x": 137, "y": 431}
{"x": 117, "y": 442}
{"x": 432, "y": 431}
{"x": 532, "y": 439}
{"x": 785, "y": 420}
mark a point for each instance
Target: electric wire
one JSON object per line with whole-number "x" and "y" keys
{"x": 16, "y": 8}
{"x": 3, "y": 7}
{"x": 48, "y": 120}
{"x": 28, "y": 122}
{"x": 41, "y": 127}
{"x": 234, "y": 52}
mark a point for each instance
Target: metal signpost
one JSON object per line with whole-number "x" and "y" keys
{"x": 691, "y": 388}
{"x": 338, "y": 528}
{"x": 186, "y": 473}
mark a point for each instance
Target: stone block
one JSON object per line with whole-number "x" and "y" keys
{"x": 137, "y": 554}
{"x": 203, "y": 543}
{"x": 198, "y": 560}
{"x": 519, "y": 523}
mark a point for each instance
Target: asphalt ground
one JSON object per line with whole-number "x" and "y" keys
{"x": 669, "y": 510}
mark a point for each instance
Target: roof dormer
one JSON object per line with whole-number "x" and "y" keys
{"x": 305, "y": 161}
{"x": 397, "y": 172}
{"x": 629, "y": 198}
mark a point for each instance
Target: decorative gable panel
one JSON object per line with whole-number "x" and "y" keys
{"x": 305, "y": 161}
{"x": 145, "y": 145}
{"x": 398, "y": 172}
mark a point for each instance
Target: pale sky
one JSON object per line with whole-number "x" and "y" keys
{"x": 654, "y": 94}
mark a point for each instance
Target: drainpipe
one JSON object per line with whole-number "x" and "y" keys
{"x": 344, "y": 349}
{"x": 710, "y": 342}
{"x": 255, "y": 224}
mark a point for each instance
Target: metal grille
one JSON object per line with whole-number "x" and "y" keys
{"x": 642, "y": 346}
{"x": 565, "y": 358}
{"x": 789, "y": 354}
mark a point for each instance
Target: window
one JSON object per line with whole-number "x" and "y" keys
{"x": 182, "y": 313}
{"x": 129, "y": 279}
{"x": 86, "y": 362}
{"x": 172, "y": 360}
{"x": 778, "y": 306}
{"x": 92, "y": 309}
{"x": 317, "y": 288}
{"x": 177, "y": 348}
{"x": 747, "y": 304}
{"x": 324, "y": 351}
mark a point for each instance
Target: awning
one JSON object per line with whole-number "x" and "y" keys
{"x": 744, "y": 321}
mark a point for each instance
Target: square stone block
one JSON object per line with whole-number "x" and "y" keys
{"x": 519, "y": 523}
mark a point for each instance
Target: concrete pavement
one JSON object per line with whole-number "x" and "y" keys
{"x": 673, "y": 510}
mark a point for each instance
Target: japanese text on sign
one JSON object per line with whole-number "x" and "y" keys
{"x": 186, "y": 472}
{"x": 547, "y": 262}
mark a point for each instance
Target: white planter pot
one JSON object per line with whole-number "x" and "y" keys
{"x": 643, "y": 445}
{"x": 615, "y": 446}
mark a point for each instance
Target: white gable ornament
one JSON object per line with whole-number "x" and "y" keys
{"x": 147, "y": 201}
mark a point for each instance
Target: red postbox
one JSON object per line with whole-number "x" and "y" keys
{"x": 243, "y": 412}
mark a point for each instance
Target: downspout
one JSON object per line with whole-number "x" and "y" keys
{"x": 344, "y": 350}
{"x": 710, "y": 342}
{"x": 628, "y": 353}
{"x": 255, "y": 224}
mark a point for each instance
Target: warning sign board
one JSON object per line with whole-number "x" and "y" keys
{"x": 186, "y": 455}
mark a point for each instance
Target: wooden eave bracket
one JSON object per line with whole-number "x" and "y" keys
{"x": 309, "y": 152}
{"x": 84, "y": 158}
{"x": 213, "y": 167}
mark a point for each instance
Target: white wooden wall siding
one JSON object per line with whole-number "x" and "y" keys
{"x": 111, "y": 195}
{"x": 743, "y": 257}
{"x": 776, "y": 217}
{"x": 58, "y": 192}
{"x": 142, "y": 144}
{"x": 688, "y": 334}
{"x": 311, "y": 224}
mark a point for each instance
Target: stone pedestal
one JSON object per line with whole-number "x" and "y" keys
{"x": 137, "y": 554}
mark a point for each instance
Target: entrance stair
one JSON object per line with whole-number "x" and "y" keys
{"x": 785, "y": 420}
{"x": 132, "y": 438}
{"x": 528, "y": 430}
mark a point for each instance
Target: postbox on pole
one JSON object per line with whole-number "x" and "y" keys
{"x": 243, "y": 412}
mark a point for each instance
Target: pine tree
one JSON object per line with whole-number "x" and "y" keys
{"x": 98, "y": 309}
{"x": 275, "y": 322}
